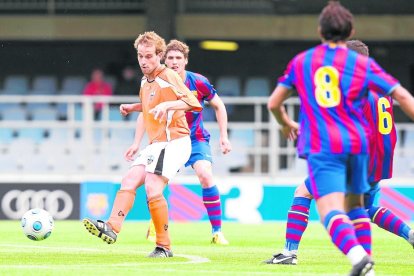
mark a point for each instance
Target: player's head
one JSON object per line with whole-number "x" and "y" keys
{"x": 176, "y": 55}
{"x": 150, "y": 50}
{"x": 335, "y": 22}
{"x": 358, "y": 46}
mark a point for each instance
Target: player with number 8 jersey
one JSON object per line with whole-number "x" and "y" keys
{"x": 332, "y": 102}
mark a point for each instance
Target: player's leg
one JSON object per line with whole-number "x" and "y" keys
{"x": 158, "y": 207}
{"x": 328, "y": 175}
{"x": 211, "y": 199}
{"x": 355, "y": 200}
{"x": 124, "y": 200}
{"x": 297, "y": 222}
{"x": 168, "y": 159}
{"x": 386, "y": 219}
{"x": 201, "y": 161}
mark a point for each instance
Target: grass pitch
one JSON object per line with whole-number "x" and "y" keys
{"x": 71, "y": 250}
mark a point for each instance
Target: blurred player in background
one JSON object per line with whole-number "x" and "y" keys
{"x": 332, "y": 82}
{"x": 176, "y": 58}
{"x": 379, "y": 113}
{"x": 164, "y": 100}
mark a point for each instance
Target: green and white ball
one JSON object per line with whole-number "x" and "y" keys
{"x": 37, "y": 224}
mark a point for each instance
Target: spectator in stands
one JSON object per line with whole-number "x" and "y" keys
{"x": 97, "y": 86}
{"x": 129, "y": 84}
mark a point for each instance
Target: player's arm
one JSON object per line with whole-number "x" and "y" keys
{"x": 405, "y": 99}
{"x": 139, "y": 133}
{"x": 221, "y": 115}
{"x": 275, "y": 106}
{"x": 125, "y": 109}
{"x": 160, "y": 111}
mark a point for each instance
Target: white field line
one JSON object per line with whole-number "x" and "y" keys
{"x": 192, "y": 259}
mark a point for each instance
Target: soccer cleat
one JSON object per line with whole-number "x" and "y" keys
{"x": 411, "y": 237}
{"x": 100, "y": 229}
{"x": 364, "y": 267}
{"x": 151, "y": 234}
{"x": 160, "y": 252}
{"x": 218, "y": 238}
{"x": 283, "y": 259}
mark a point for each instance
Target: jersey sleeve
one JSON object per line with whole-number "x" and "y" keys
{"x": 205, "y": 88}
{"x": 379, "y": 80}
{"x": 288, "y": 79}
{"x": 182, "y": 92}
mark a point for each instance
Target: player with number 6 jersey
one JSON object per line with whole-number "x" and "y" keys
{"x": 333, "y": 84}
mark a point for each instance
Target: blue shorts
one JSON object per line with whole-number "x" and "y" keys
{"x": 199, "y": 151}
{"x": 370, "y": 197}
{"x": 344, "y": 173}
{"x": 308, "y": 185}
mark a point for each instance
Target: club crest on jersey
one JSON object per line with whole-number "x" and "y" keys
{"x": 194, "y": 93}
{"x": 150, "y": 159}
{"x": 152, "y": 94}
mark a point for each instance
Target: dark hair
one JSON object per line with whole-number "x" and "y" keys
{"x": 358, "y": 46}
{"x": 336, "y": 22}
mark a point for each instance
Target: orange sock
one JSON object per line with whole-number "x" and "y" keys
{"x": 159, "y": 213}
{"x": 124, "y": 200}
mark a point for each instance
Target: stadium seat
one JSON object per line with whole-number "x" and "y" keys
{"x": 114, "y": 114}
{"x": 44, "y": 114}
{"x": 44, "y": 85}
{"x": 243, "y": 137}
{"x": 209, "y": 114}
{"x": 111, "y": 80}
{"x": 16, "y": 85}
{"x": 73, "y": 85}
{"x": 228, "y": 86}
{"x": 6, "y": 135}
{"x": 14, "y": 114}
{"x": 257, "y": 87}
{"x": 409, "y": 139}
{"x": 37, "y": 135}
{"x": 132, "y": 116}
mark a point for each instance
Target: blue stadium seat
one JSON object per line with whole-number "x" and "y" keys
{"x": 37, "y": 135}
{"x": 132, "y": 116}
{"x": 16, "y": 85}
{"x": 209, "y": 114}
{"x": 111, "y": 80}
{"x": 228, "y": 86}
{"x": 44, "y": 114}
{"x": 14, "y": 114}
{"x": 6, "y": 135}
{"x": 73, "y": 85}
{"x": 257, "y": 87}
{"x": 243, "y": 136}
{"x": 114, "y": 114}
{"x": 44, "y": 85}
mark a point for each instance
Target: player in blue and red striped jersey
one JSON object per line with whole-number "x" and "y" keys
{"x": 176, "y": 58}
{"x": 333, "y": 82}
{"x": 379, "y": 114}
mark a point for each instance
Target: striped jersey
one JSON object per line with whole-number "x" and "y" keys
{"x": 167, "y": 86}
{"x": 203, "y": 91}
{"x": 332, "y": 82}
{"x": 379, "y": 114}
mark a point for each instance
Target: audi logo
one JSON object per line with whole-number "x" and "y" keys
{"x": 58, "y": 203}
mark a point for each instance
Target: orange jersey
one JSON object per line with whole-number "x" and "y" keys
{"x": 167, "y": 86}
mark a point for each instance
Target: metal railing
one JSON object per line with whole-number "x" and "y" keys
{"x": 268, "y": 155}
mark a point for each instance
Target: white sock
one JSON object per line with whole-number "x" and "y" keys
{"x": 356, "y": 254}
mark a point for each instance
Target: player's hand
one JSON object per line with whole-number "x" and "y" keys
{"x": 130, "y": 152}
{"x": 125, "y": 109}
{"x": 291, "y": 130}
{"x": 225, "y": 145}
{"x": 159, "y": 112}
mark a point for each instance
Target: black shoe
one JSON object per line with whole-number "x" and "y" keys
{"x": 100, "y": 229}
{"x": 283, "y": 259}
{"x": 160, "y": 252}
{"x": 364, "y": 267}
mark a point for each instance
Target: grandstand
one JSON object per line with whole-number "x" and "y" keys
{"x": 47, "y": 130}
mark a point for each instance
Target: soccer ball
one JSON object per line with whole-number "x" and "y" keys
{"x": 37, "y": 224}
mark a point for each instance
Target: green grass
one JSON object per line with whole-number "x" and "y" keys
{"x": 71, "y": 250}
